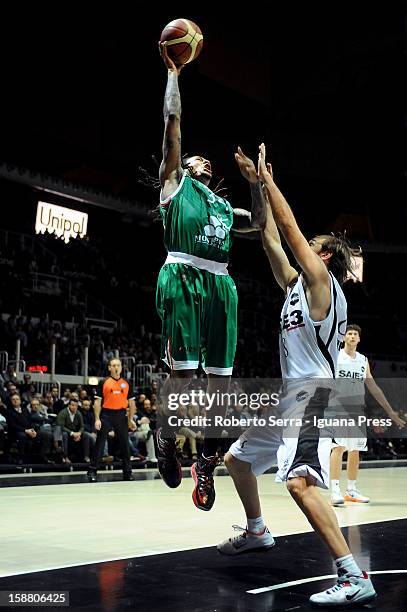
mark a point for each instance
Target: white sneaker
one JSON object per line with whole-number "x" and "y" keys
{"x": 337, "y": 499}
{"x": 356, "y": 496}
{"x": 246, "y": 542}
{"x": 349, "y": 590}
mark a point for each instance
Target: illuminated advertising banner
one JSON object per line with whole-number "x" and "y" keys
{"x": 65, "y": 223}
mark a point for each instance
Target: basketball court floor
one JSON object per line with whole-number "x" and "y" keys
{"x": 117, "y": 545}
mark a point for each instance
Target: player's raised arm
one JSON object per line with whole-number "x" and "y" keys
{"x": 283, "y": 271}
{"x": 171, "y": 168}
{"x": 313, "y": 266}
{"x": 258, "y": 207}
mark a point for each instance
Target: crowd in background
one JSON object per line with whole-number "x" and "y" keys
{"x": 54, "y": 427}
{"x": 59, "y": 427}
{"x": 88, "y": 278}
{"x": 80, "y": 283}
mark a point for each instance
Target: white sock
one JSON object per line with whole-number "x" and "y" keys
{"x": 347, "y": 565}
{"x": 335, "y": 487}
{"x": 351, "y": 485}
{"x": 256, "y": 525}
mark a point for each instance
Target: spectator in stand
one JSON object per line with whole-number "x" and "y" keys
{"x": 89, "y": 424}
{"x": 66, "y": 397}
{"x": 28, "y": 394}
{"x": 48, "y": 402}
{"x": 142, "y": 433}
{"x": 187, "y": 433}
{"x": 10, "y": 375}
{"x": 83, "y": 395}
{"x": 73, "y": 430}
{"x": 54, "y": 393}
{"x": 58, "y": 401}
{"x": 26, "y": 384}
{"x": 11, "y": 389}
{"x": 42, "y": 424}
{"x": 22, "y": 431}
{"x": 140, "y": 401}
{"x": 150, "y": 411}
{"x": 134, "y": 439}
{"x": 43, "y": 408}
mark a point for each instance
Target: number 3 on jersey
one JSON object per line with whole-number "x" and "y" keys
{"x": 292, "y": 320}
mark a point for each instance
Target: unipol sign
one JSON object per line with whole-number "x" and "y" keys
{"x": 64, "y": 222}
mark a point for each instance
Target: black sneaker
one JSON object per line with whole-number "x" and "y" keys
{"x": 92, "y": 476}
{"x": 128, "y": 477}
{"x": 203, "y": 495}
{"x": 168, "y": 464}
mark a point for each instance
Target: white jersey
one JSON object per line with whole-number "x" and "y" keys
{"x": 352, "y": 368}
{"x": 309, "y": 349}
{"x": 351, "y": 374}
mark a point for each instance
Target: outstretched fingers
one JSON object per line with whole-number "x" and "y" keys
{"x": 170, "y": 64}
{"x": 264, "y": 169}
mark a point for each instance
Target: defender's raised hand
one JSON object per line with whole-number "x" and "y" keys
{"x": 264, "y": 170}
{"x": 246, "y": 166}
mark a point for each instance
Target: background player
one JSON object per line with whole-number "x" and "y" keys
{"x": 354, "y": 368}
{"x": 196, "y": 297}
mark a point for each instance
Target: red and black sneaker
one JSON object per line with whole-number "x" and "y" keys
{"x": 203, "y": 495}
{"x": 168, "y": 464}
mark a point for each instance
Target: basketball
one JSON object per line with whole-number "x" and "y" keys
{"x": 184, "y": 40}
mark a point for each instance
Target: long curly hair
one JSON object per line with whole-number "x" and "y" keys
{"x": 341, "y": 264}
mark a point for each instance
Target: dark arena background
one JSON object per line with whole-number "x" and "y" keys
{"x": 82, "y": 128}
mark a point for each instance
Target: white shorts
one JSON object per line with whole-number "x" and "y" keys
{"x": 297, "y": 451}
{"x": 351, "y": 444}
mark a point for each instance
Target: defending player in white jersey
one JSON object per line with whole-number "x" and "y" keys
{"x": 312, "y": 326}
{"x": 353, "y": 367}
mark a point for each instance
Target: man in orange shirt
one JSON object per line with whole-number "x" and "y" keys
{"x": 113, "y": 409}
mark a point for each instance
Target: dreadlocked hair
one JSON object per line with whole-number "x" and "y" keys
{"x": 147, "y": 179}
{"x": 151, "y": 181}
{"x": 341, "y": 264}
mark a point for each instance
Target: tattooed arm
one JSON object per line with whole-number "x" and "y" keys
{"x": 171, "y": 168}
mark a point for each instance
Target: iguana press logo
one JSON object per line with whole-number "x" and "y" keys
{"x": 214, "y": 233}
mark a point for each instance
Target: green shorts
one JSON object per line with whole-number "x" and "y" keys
{"x": 198, "y": 310}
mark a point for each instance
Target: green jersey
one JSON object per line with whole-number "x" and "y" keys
{"x": 197, "y": 221}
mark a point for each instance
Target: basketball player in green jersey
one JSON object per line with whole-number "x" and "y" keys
{"x": 196, "y": 297}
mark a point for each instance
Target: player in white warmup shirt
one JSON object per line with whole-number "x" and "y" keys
{"x": 353, "y": 368}
{"x": 313, "y": 324}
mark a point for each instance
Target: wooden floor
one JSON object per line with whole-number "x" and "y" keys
{"x": 46, "y": 527}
